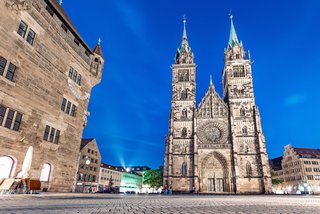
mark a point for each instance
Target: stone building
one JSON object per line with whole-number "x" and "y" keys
{"x": 217, "y": 146}
{"x": 89, "y": 166}
{"x": 107, "y": 173}
{"x": 47, "y": 72}
{"x": 299, "y": 171}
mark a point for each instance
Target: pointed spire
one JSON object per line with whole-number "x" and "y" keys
{"x": 97, "y": 49}
{"x": 184, "y": 35}
{"x": 211, "y": 79}
{"x": 184, "y": 47}
{"x": 233, "y": 39}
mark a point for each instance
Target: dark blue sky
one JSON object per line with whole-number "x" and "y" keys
{"x": 130, "y": 107}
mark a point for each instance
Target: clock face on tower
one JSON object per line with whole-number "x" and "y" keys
{"x": 212, "y": 132}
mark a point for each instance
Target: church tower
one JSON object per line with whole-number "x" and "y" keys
{"x": 179, "y": 151}
{"x": 251, "y": 168}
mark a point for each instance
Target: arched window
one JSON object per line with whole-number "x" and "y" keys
{"x": 186, "y": 76}
{"x": 184, "y": 95}
{"x": 181, "y": 78}
{"x": 242, "y": 111}
{"x": 45, "y": 172}
{"x": 6, "y": 165}
{"x": 184, "y": 113}
{"x": 248, "y": 170}
{"x": 245, "y": 130}
{"x": 184, "y": 132}
{"x": 184, "y": 169}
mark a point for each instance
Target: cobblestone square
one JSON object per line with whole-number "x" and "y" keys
{"x": 123, "y": 204}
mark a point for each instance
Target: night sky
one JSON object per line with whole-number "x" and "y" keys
{"x": 130, "y": 107}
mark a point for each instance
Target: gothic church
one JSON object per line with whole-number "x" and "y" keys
{"x": 217, "y": 146}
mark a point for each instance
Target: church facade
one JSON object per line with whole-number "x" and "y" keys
{"x": 218, "y": 145}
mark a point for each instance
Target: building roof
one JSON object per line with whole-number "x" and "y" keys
{"x": 97, "y": 49}
{"x": 233, "y": 39}
{"x": 275, "y": 163}
{"x": 307, "y": 153}
{"x": 107, "y": 166}
{"x": 66, "y": 20}
{"x": 84, "y": 142}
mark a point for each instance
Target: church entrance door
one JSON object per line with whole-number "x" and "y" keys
{"x": 219, "y": 185}
{"x": 211, "y": 187}
{"x": 214, "y": 174}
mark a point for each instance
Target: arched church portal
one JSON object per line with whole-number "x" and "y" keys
{"x": 214, "y": 175}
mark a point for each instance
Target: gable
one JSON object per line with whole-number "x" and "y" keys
{"x": 212, "y": 105}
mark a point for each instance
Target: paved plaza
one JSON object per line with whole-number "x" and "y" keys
{"x": 105, "y": 203}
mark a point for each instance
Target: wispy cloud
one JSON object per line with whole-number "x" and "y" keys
{"x": 133, "y": 18}
{"x": 295, "y": 99}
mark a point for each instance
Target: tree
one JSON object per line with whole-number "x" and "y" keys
{"x": 153, "y": 177}
{"x": 277, "y": 181}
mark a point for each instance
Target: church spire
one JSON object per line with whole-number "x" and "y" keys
{"x": 184, "y": 53}
{"x": 233, "y": 39}
{"x": 184, "y": 35}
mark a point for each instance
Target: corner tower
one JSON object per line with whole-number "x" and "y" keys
{"x": 251, "y": 169}
{"x": 179, "y": 151}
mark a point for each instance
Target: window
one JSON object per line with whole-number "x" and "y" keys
{"x": 9, "y": 119}
{"x": 184, "y": 132}
{"x": 308, "y": 169}
{"x": 70, "y": 72}
{"x": 184, "y": 169}
{"x": 56, "y": 139}
{"x": 64, "y": 27}
{"x": 75, "y": 76}
{"x": 3, "y": 63}
{"x": 76, "y": 41}
{"x": 6, "y": 165}
{"x": 184, "y": 95}
{"x": 51, "y": 135}
{"x": 245, "y": 130}
{"x": 238, "y": 71}
{"x": 31, "y": 36}
{"x": 79, "y": 79}
{"x": 63, "y": 105}
{"x": 50, "y": 11}
{"x": 242, "y": 111}
{"x": 68, "y": 107}
{"x": 45, "y": 172}
{"x": 184, "y": 113}
{"x": 316, "y": 169}
{"x": 22, "y": 29}
{"x": 310, "y": 177}
{"x": 183, "y": 75}
{"x": 9, "y": 71}
{"x": 17, "y": 122}
{"x": 2, "y": 113}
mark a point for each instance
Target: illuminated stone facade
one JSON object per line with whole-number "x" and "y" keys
{"x": 107, "y": 173}
{"x": 47, "y": 72}
{"x": 217, "y": 146}
{"x": 299, "y": 171}
{"x": 89, "y": 166}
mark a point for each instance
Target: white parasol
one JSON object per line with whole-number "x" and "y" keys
{"x": 24, "y": 173}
